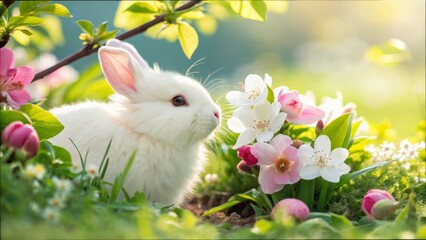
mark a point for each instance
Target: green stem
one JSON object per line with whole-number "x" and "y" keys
{"x": 6, "y": 155}
{"x": 306, "y": 192}
{"x": 323, "y": 196}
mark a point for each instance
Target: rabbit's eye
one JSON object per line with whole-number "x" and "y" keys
{"x": 178, "y": 101}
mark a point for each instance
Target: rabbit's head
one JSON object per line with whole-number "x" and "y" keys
{"x": 162, "y": 105}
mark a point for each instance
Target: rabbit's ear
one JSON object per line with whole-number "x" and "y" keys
{"x": 132, "y": 50}
{"x": 120, "y": 69}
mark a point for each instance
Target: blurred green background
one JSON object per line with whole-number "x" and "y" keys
{"x": 315, "y": 45}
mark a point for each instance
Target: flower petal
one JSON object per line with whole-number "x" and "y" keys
{"x": 237, "y": 98}
{"x": 20, "y": 96}
{"x": 323, "y": 143}
{"x": 278, "y": 122}
{"x": 7, "y": 60}
{"x": 279, "y": 91}
{"x": 281, "y": 178}
{"x": 338, "y": 156}
{"x": 24, "y": 74}
{"x": 343, "y": 168}
{"x": 263, "y": 111}
{"x": 331, "y": 174}
{"x": 265, "y": 153}
{"x": 309, "y": 115}
{"x": 294, "y": 173}
{"x": 266, "y": 180}
{"x": 291, "y": 154}
{"x": 236, "y": 125}
{"x": 306, "y": 154}
{"x": 281, "y": 142}
{"x": 245, "y": 137}
{"x": 254, "y": 82}
{"x": 268, "y": 80}
{"x": 264, "y": 137}
{"x": 309, "y": 172}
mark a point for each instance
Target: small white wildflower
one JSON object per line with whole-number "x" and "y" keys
{"x": 57, "y": 201}
{"x": 401, "y": 155}
{"x": 36, "y": 186}
{"x": 34, "y": 207}
{"x": 63, "y": 185}
{"x": 36, "y": 171}
{"x": 420, "y": 146}
{"x": 172, "y": 214}
{"x": 57, "y": 161}
{"x": 92, "y": 170}
{"x": 412, "y": 153}
{"x": 405, "y": 144}
{"x": 75, "y": 168}
{"x": 51, "y": 214}
{"x": 211, "y": 178}
{"x": 96, "y": 195}
{"x": 406, "y": 165}
{"x": 387, "y": 150}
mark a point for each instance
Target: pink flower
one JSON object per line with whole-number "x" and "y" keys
{"x": 13, "y": 80}
{"x": 378, "y": 204}
{"x": 292, "y": 207}
{"x": 245, "y": 154}
{"x": 279, "y": 164}
{"x": 21, "y": 136}
{"x": 297, "y": 111}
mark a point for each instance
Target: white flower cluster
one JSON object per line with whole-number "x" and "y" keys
{"x": 256, "y": 118}
{"x": 389, "y": 151}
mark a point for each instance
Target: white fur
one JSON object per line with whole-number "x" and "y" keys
{"x": 168, "y": 139}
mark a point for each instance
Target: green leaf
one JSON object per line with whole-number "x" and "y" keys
{"x": 142, "y": 7}
{"x": 44, "y": 122}
{"x": 90, "y": 85}
{"x": 102, "y": 28}
{"x": 347, "y": 177}
{"x": 339, "y": 131}
{"x": 234, "y": 200}
{"x": 18, "y": 21}
{"x": 119, "y": 180}
{"x": 271, "y": 97}
{"x": 55, "y": 9}
{"x": 253, "y": 9}
{"x": 25, "y": 31}
{"x": 86, "y": 26}
{"x": 306, "y": 192}
{"x": 63, "y": 154}
{"x": 25, "y": 7}
{"x": 340, "y": 222}
{"x": 108, "y": 35}
{"x": 7, "y": 117}
{"x": 391, "y": 52}
{"x": 317, "y": 227}
{"x": 188, "y": 38}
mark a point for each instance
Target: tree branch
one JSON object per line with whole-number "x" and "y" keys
{"x": 88, "y": 49}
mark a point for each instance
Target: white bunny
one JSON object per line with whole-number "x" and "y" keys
{"x": 165, "y": 116}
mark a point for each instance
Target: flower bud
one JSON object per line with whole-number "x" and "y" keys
{"x": 319, "y": 127}
{"x": 291, "y": 207}
{"x": 243, "y": 167}
{"x": 21, "y": 137}
{"x": 373, "y": 206}
{"x": 297, "y": 143}
{"x": 245, "y": 154}
{"x": 384, "y": 208}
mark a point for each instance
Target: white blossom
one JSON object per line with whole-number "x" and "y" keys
{"x": 319, "y": 161}
{"x": 259, "y": 122}
{"x": 255, "y": 91}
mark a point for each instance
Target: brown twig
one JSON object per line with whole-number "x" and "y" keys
{"x": 88, "y": 50}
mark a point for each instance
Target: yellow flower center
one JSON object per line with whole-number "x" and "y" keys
{"x": 261, "y": 125}
{"x": 282, "y": 165}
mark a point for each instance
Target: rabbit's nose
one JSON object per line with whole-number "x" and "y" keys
{"x": 216, "y": 114}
